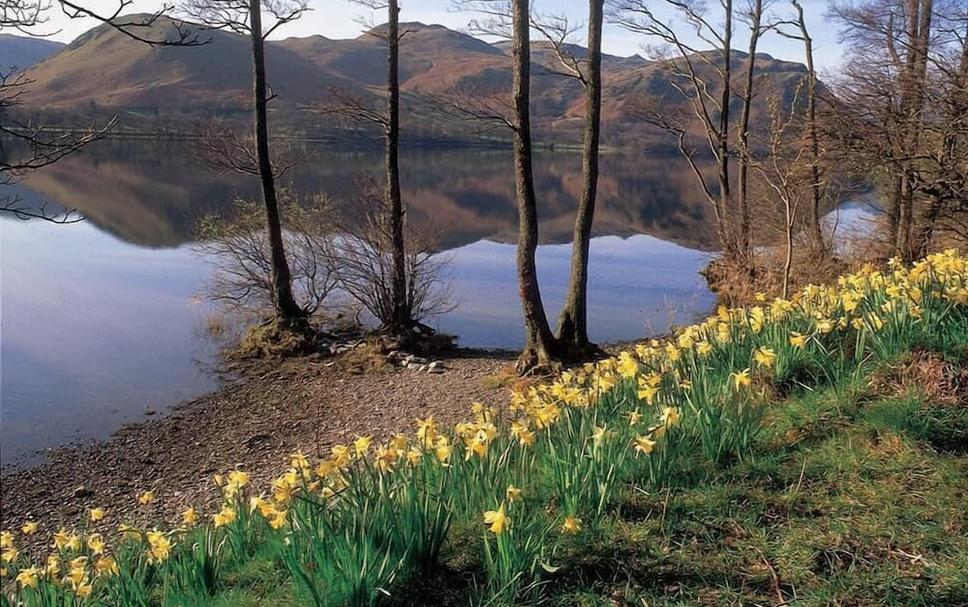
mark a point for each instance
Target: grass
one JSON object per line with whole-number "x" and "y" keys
{"x": 866, "y": 512}
{"x": 806, "y": 451}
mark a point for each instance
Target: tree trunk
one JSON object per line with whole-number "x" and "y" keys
{"x": 745, "y": 229}
{"x": 285, "y": 305}
{"x": 788, "y": 260}
{"x": 727, "y": 229}
{"x": 815, "y": 232}
{"x": 402, "y": 314}
{"x": 539, "y": 346}
{"x": 917, "y": 33}
{"x": 573, "y": 322}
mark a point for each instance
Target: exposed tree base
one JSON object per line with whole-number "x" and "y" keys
{"x": 277, "y": 338}
{"x": 538, "y": 360}
{"x": 417, "y": 338}
{"x": 575, "y": 351}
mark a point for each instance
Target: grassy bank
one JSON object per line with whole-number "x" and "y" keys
{"x": 783, "y": 452}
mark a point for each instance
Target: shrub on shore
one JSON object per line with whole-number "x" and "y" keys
{"x": 516, "y": 494}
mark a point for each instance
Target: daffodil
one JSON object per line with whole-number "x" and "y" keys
{"x": 29, "y": 527}
{"x": 571, "y": 526}
{"x": 513, "y": 494}
{"x": 797, "y": 340}
{"x": 189, "y": 516}
{"x": 670, "y": 416}
{"x": 53, "y": 566}
{"x": 147, "y": 497}
{"x": 741, "y": 379}
{"x": 764, "y": 357}
{"x": 361, "y": 445}
{"x": 427, "y": 431}
{"x": 105, "y": 565}
{"x": 443, "y": 449}
{"x": 648, "y": 393}
{"x": 643, "y": 444}
{"x": 28, "y": 577}
{"x": 97, "y": 514}
{"x": 598, "y": 435}
{"x": 236, "y": 481}
{"x": 96, "y": 544}
{"x": 225, "y": 516}
{"x": 497, "y": 520}
{"x": 159, "y": 546}
{"x": 9, "y": 554}
{"x": 341, "y": 455}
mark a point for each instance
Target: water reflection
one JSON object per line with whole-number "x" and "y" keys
{"x": 99, "y": 318}
{"x": 152, "y": 194}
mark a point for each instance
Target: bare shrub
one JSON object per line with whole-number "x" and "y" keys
{"x": 364, "y": 261}
{"x": 238, "y": 249}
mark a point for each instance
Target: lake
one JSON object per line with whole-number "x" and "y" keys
{"x": 102, "y": 319}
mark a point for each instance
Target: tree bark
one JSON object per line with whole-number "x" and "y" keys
{"x": 727, "y": 231}
{"x": 573, "y": 322}
{"x": 285, "y": 305}
{"x": 539, "y": 346}
{"x": 402, "y": 314}
{"x": 918, "y": 32}
{"x": 745, "y": 229}
{"x": 816, "y": 188}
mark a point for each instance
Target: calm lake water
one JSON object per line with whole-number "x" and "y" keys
{"x": 102, "y": 318}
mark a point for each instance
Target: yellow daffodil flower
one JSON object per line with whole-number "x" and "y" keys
{"x": 497, "y": 520}
{"x": 571, "y": 526}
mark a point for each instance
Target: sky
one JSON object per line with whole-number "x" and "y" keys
{"x": 340, "y": 19}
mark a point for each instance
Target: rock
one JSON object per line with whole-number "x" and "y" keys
{"x": 149, "y": 411}
{"x": 435, "y": 367}
{"x": 81, "y": 492}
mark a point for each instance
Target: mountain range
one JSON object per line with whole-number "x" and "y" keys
{"x": 21, "y": 52}
{"x": 103, "y": 73}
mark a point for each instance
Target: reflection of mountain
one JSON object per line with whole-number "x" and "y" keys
{"x": 104, "y": 72}
{"x": 152, "y": 194}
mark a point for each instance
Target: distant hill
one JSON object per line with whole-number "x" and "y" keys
{"x": 21, "y": 52}
{"x": 104, "y": 72}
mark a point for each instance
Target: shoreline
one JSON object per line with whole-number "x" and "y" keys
{"x": 252, "y": 423}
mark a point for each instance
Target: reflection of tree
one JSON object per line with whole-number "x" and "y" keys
{"x": 134, "y": 194}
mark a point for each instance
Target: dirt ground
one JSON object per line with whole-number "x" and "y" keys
{"x": 253, "y": 424}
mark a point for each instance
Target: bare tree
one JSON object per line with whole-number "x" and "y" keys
{"x": 573, "y": 322}
{"x": 246, "y": 17}
{"x": 754, "y": 17}
{"x": 784, "y": 171}
{"x": 364, "y": 261}
{"x": 238, "y": 248}
{"x": 898, "y": 108}
{"x": 402, "y": 320}
{"x": 817, "y": 190}
{"x": 709, "y": 97}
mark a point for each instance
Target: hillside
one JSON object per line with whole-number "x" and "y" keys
{"x": 103, "y": 72}
{"x": 21, "y": 52}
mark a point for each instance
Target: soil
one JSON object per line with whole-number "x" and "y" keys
{"x": 252, "y": 423}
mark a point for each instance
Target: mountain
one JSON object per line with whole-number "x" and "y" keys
{"x": 21, "y": 52}
{"x": 104, "y": 72}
